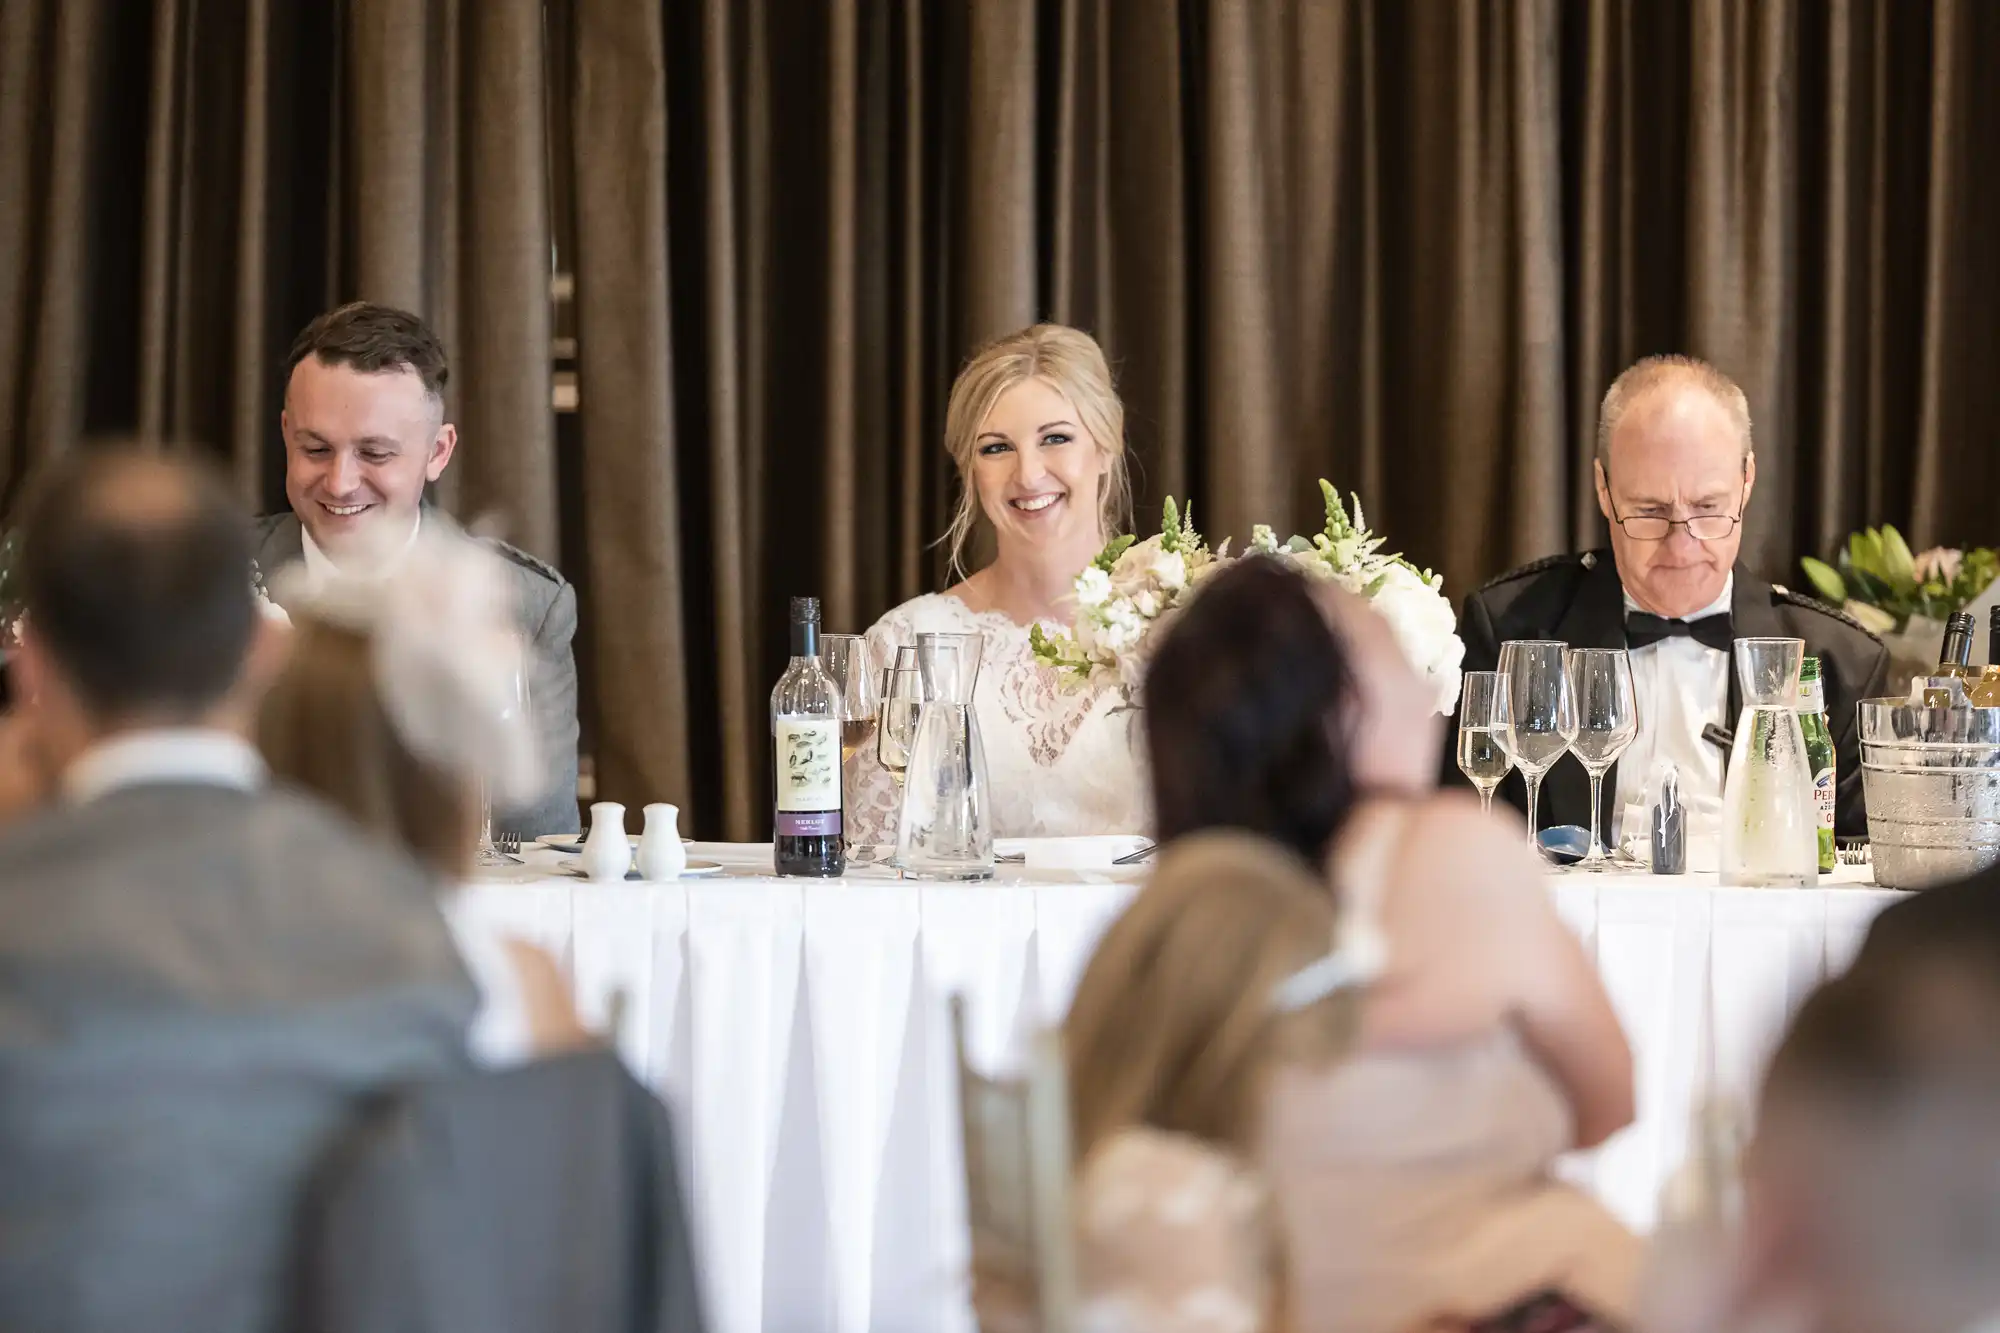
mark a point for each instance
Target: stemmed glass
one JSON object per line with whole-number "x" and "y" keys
{"x": 902, "y": 701}
{"x": 1485, "y": 724}
{"x": 1544, "y": 713}
{"x": 1607, "y": 718}
{"x": 846, "y": 658}
{"x": 517, "y": 708}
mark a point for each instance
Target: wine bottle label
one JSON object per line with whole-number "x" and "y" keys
{"x": 808, "y": 777}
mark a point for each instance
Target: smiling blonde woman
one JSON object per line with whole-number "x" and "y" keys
{"x": 1037, "y": 433}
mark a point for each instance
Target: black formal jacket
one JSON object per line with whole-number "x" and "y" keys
{"x": 1579, "y": 599}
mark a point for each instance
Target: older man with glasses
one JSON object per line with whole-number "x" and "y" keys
{"x": 1675, "y": 471}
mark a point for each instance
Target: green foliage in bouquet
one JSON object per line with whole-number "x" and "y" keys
{"x": 1877, "y": 573}
{"x": 1344, "y": 545}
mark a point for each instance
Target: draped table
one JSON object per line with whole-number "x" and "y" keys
{"x": 799, "y": 1031}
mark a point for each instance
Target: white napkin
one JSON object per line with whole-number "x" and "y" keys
{"x": 1071, "y": 853}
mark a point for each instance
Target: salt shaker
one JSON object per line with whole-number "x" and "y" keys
{"x": 662, "y": 856}
{"x": 1670, "y": 827}
{"x": 607, "y": 852}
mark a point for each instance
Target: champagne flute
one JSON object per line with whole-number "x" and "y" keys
{"x": 846, "y": 659}
{"x": 1607, "y": 718}
{"x": 1543, "y": 710}
{"x": 1484, "y": 726}
{"x": 511, "y": 714}
{"x": 902, "y": 700}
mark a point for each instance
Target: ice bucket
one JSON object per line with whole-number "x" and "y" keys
{"x": 1932, "y": 779}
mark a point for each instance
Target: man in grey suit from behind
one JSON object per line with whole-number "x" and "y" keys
{"x": 365, "y": 432}
{"x": 201, "y": 978}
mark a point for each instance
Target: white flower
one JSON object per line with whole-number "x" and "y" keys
{"x": 1425, "y": 628}
{"x": 1940, "y": 562}
{"x": 1093, "y": 587}
{"x": 1147, "y": 565}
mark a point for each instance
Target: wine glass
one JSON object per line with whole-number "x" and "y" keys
{"x": 1544, "y": 713}
{"x": 513, "y": 713}
{"x": 1484, "y": 724}
{"x": 846, "y": 659}
{"x": 1607, "y": 718}
{"x": 902, "y": 700}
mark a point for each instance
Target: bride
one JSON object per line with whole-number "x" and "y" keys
{"x": 1038, "y": 435}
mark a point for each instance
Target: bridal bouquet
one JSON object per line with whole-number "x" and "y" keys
{"x": 1122, "y": 600}
{"x": 1412, "y": 600}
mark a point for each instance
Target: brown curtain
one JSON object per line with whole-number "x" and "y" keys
{"x": 1400, "y": 245}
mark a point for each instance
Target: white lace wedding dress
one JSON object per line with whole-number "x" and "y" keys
{"x": 1060, "y": 762}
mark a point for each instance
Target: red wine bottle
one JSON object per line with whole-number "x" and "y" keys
{"x": 805, "y": 729}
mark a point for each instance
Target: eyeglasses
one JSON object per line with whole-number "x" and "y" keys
{"x": 1702, "y": 527}
{"x": 1653, "y": 528}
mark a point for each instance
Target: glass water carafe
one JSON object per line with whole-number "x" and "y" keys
{"x": 1770, "y": 823}
{"x": 946, "y": 830}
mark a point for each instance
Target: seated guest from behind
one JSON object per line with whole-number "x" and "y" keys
{"x": 1226, "y": 969}
{"x": 1037, "y": 433}
{"x": 1414, "y": 1177}
{"x": 1873, "y": 1185}
{"x": 1675, "y": 471}
{"x": 201, "y": 975}
{"x": 386, "y": 709}
{"x": 365, "y": 431}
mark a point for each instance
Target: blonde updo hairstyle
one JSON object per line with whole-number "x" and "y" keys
{"x": 1071, "y": 361}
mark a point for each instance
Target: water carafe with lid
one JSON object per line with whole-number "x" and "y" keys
{"x": 946, "y": 830}
{"x": 1770, "y": 823}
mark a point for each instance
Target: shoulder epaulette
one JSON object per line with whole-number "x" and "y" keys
{"x": 1784, "y": 594}
{"x": 526, "y": 561}
{"x": 1586, "y": 560}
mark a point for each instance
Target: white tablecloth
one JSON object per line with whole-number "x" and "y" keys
{"x": 798, "y": 1030}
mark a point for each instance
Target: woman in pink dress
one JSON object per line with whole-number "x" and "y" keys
{"x": 1414, "y": 1178}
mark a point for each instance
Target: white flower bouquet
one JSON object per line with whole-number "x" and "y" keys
{"x": 1134, "y": 587}
{"x": 1412, "y": 600}
{"x": 1123, "y": 598}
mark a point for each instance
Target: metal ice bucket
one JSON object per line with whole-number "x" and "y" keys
{"x": 1932, "y": 779}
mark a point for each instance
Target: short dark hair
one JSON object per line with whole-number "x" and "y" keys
{"x": 1244, "y": 713}
{"x": 135, "y": 573}
{"x": 375, "y": 340}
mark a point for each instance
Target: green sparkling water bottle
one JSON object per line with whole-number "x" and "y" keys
{"x": 1819, "y": 755}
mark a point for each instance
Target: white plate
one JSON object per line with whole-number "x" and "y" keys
{"x": 569, "y": 844}
{"x": 695, "y": 870}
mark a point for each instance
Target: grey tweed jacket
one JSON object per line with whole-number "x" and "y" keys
{"x": 198, "y": 986}
{"x": 545, "y": 605}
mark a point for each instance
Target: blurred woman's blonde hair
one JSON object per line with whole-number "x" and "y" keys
{"x": 1071, "y": 361}
{"x": 1175, "y": 1025}
{"x": 322, "y": 727}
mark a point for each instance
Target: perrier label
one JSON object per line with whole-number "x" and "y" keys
{"x": 1819, "y": 755}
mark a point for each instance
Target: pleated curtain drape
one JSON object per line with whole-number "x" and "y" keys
{"x": 1401, "y": 246}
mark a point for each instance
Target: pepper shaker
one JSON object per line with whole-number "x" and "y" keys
{"x": 1670, "y": 827}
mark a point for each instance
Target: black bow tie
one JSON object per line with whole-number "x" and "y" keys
{"x": 1710, "y": 631}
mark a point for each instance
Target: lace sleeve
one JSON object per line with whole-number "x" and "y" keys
{"x": 1172, "y": 1237}
{"x": 873, "y": 798}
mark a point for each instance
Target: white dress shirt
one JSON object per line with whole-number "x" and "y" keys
{"x": 201, "y": 756}
{"x": 321, "y": 567}
{"x": 1681, "y": 685}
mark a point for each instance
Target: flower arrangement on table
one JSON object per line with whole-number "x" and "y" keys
{"x": 1901, "y": 597}
{"x": 1134, "y": 587}
{"x": 1883, "y": 586}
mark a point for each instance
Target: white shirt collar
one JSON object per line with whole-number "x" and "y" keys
{"x": 1720, "y": 606}
{"x": 320, "y": 566}
{"x": 198, "y": 756}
